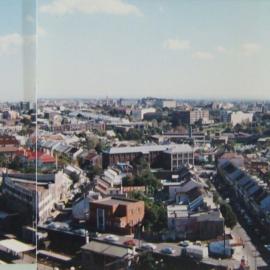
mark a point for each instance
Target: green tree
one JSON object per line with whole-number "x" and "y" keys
{"x": 146, "y": 261}
{"x": 128, "y": 181}
{"x": 140, "y": 164}
{"x": 228, "y": 214}
{"x": 93, "y": 171}
{"x": 134, "y": 134}
{"x": 91, "y": 142}
{"x": 100, "y": 147}
{"x": 74, "y": 177}
{"x": 155, "y": 218}
{"x": 3, "y": 160}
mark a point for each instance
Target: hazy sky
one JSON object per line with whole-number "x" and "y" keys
{"x": 173, "y": 48}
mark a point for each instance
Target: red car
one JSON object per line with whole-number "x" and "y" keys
{"x": 130, "y": 243}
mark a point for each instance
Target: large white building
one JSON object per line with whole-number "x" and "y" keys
{"x": 167, "y": 103}
{"x": 240, "y": 117}
{"x": 20, "y": 191}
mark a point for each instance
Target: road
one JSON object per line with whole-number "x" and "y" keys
{"x": 249, "y": 250}
{"x": 232, "y": 263}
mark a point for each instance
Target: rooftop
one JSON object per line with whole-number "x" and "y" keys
{"x": 151, "y": 148}
{"x": 106, "y": 249}
{"x": 115, "y": 201}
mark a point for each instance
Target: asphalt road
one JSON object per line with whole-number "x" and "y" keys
{"x": 249, "y": 250}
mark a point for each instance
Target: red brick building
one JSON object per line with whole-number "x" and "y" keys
{"x": 115, "y": 214}
{"x": 8, "y": 145}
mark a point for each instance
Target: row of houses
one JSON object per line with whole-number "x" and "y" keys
{"x": 71, "y": 150}
{"x": 251, "y": 190}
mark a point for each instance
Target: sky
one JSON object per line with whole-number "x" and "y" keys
{"x": 17, "y": 50}
{"x": 134, "y": 48}
{"x": 10, "y": 50}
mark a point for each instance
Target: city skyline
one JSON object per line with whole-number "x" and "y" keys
{"x": 133, "y": 49}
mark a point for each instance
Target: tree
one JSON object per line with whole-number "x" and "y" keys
{"x": 238, "y": 128}
{"x": 146, "y": 261}
{"x": 155, "y": 218}
{"x": 134, "y": 134}
{"x": 127, "y": 181}
{"x": 91, "y": 142}
{"x": 2, "y": 160}
{"x": 74, "y": 177}
{"x": 100, "y": 147}
{"x": 140, "y": 164}
{"x": 228, "y": 214}
{"x": 93, "y": 171}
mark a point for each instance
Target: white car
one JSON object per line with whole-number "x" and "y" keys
{"x": 184, "y": 243}
{"x": 148, "y": 246}
{"x": 111, "y": 238}
{"x": 267, "y": 247}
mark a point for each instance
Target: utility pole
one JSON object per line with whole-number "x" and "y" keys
{"x": 255, "y": 259}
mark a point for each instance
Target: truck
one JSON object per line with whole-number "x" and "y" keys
{"x": 196, "y": 252}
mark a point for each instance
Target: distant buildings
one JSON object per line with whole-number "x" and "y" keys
{"x": 166, "y": 103}
{"x": 138, "y": 114}
{"x": 77, "y": 126}
{"x": 240, "y": 117}
{"x": 192, "y": 116}
{"x": 128, "y": 102}
{"x": 8, "y": 144}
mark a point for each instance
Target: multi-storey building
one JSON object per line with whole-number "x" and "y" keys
{"x": 194, "y": 225}
{"x": 116, "y": 214}
{"x": 138, "y": 114}
{"x": 177, "y": 156}
{"x": 34, "y": 198}
{"x": 166, "y": 103}
{"x": 169, "y": 156}
{"x": 192, "y": 116}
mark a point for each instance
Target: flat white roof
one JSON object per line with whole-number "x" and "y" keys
{"x": 176, "y": 148}
{"x": 177, "y": 211}
{"x": 151, "y": 148}
{"x": 15, "y": 246}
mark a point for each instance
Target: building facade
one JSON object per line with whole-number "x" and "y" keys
{"x": 114, "y": 214}
{"x": 169, "y": 157}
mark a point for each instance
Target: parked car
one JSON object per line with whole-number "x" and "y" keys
{"x": 148, "y": 246}
{"x": 81, "y": 232}
{"x": 130, "y": 243}
{"x": 111, "y": 238}
{"x": 184, "y": 243}
{"x": 95, "y": 234}
{"x": 168, "y": 250}
{"x": 267, "y": 247}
